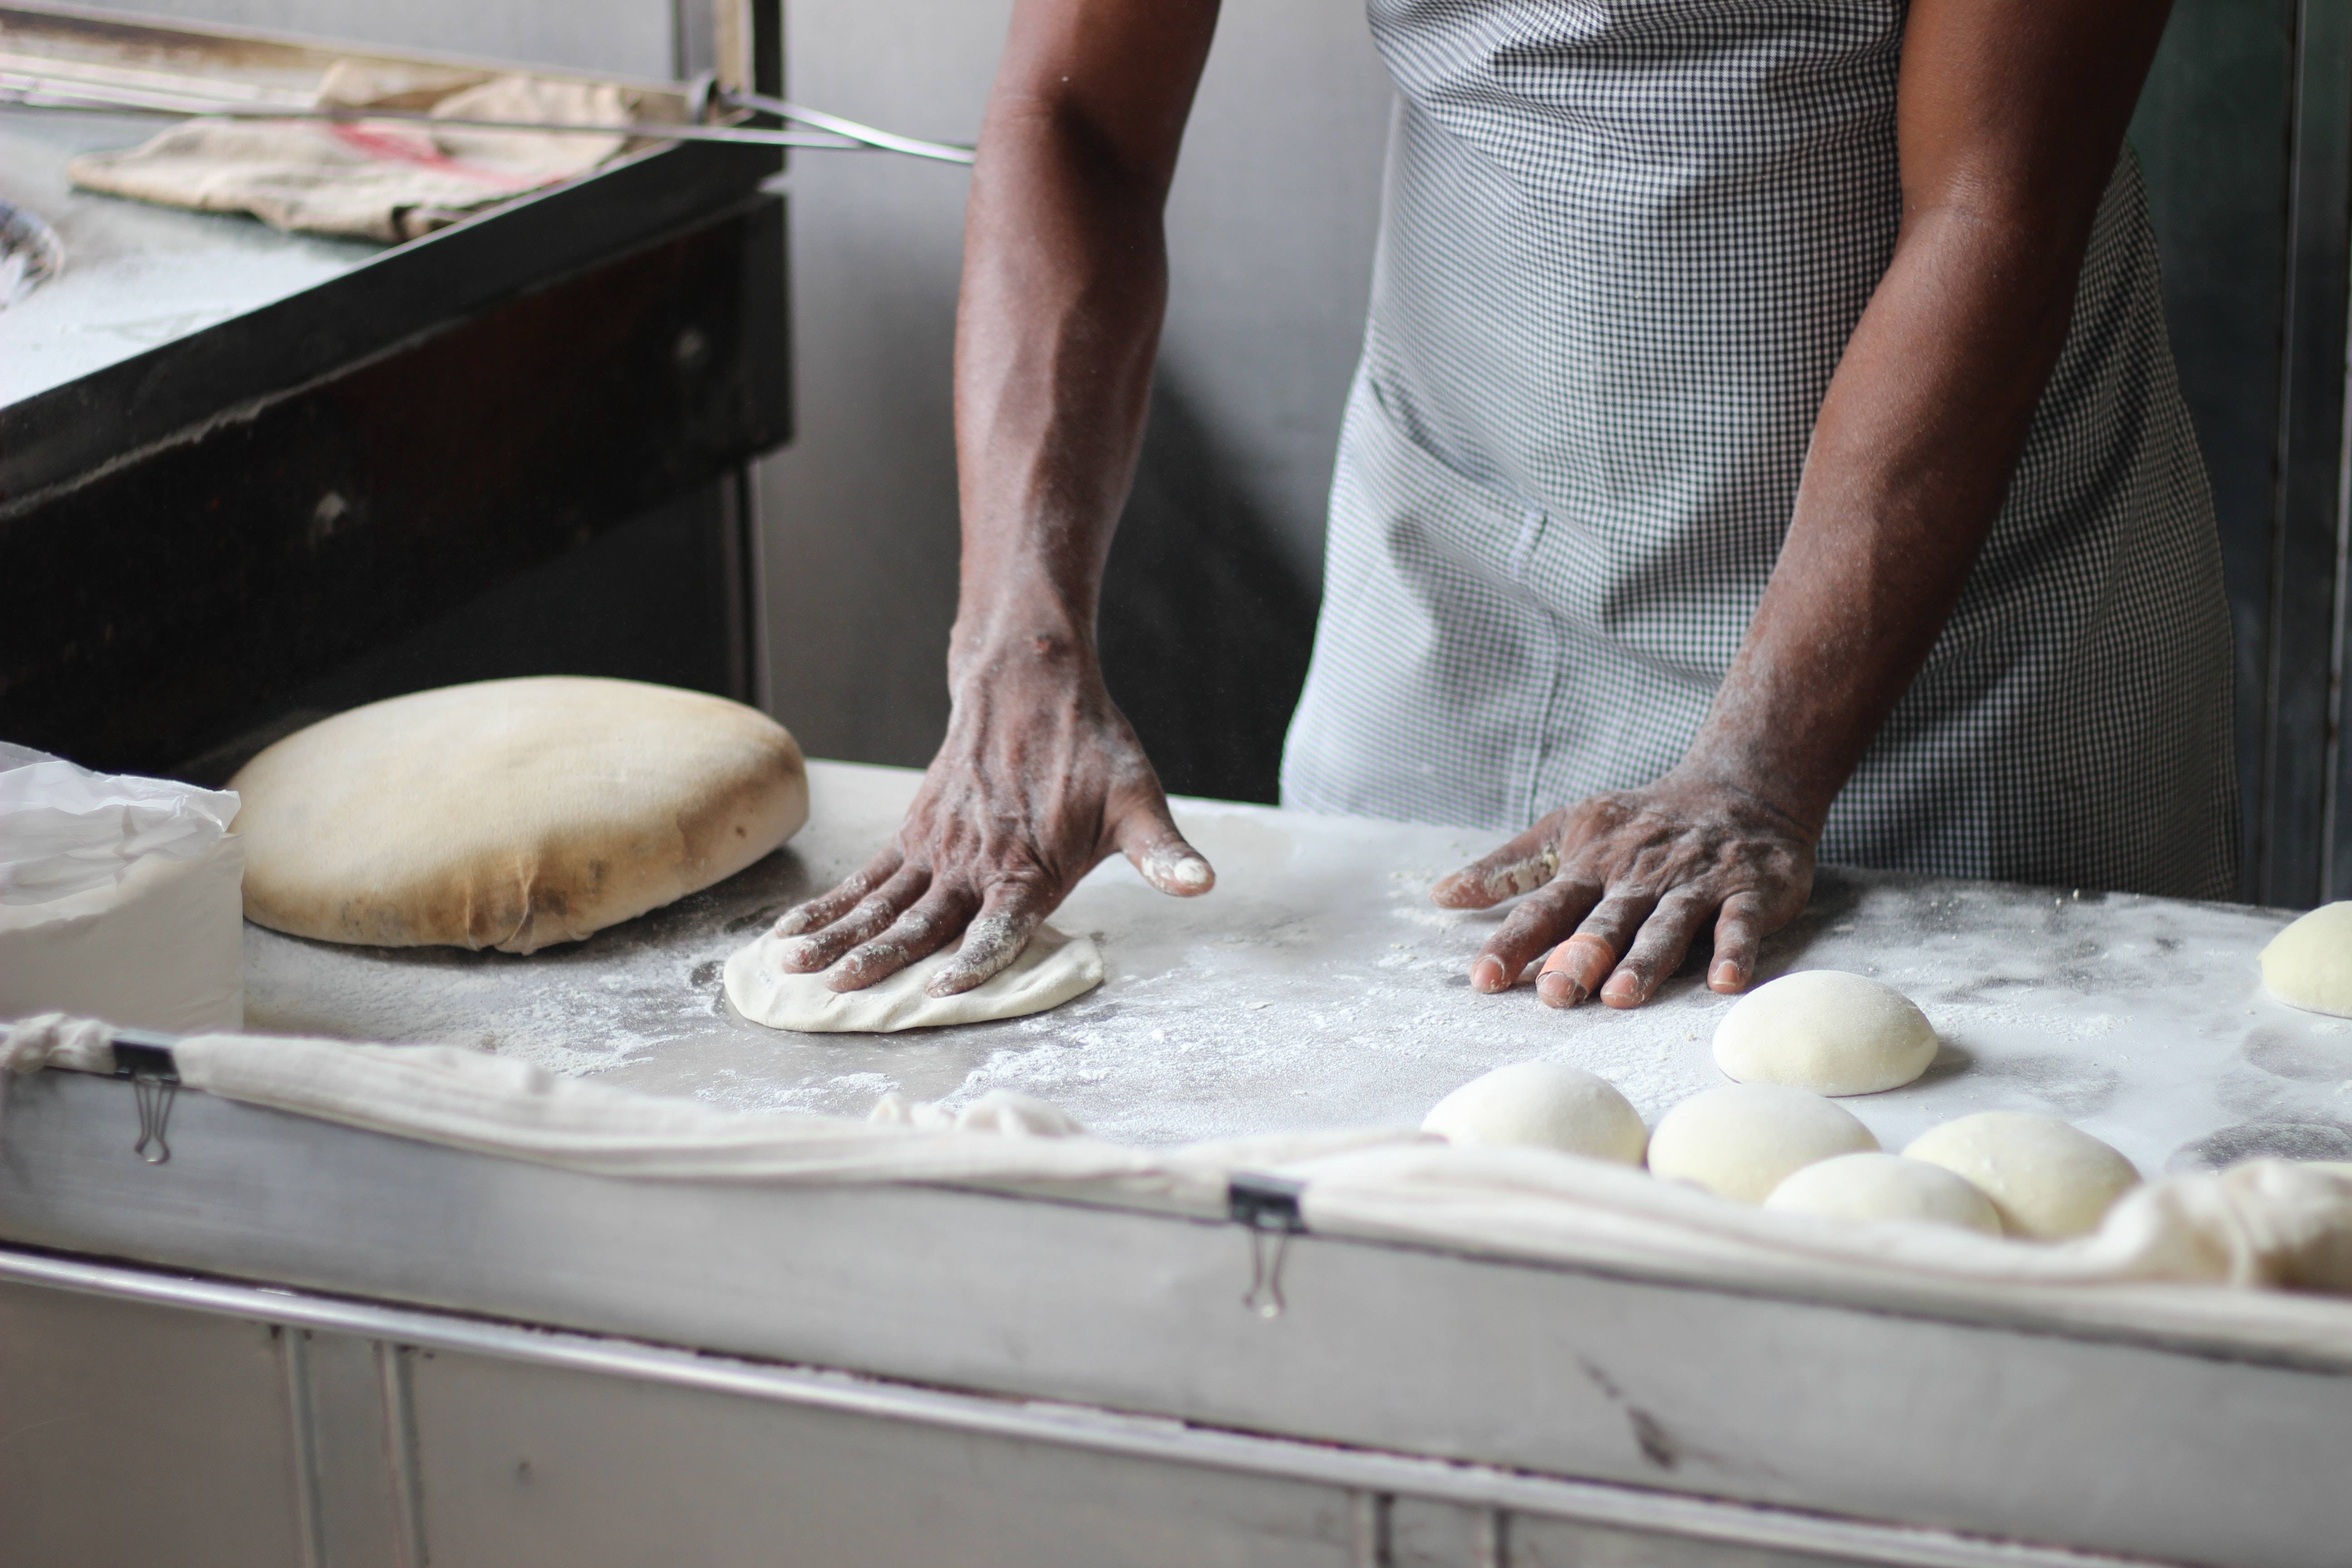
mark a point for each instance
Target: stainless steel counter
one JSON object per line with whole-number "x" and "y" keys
{"x": 1318, "y": 987}
{"x": 329, "y": 1345}
{"x": 137, "y": 276}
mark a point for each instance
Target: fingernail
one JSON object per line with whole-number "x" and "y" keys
{"x": 1725, "y": 976}
{"x": 1624, "y": 990}
{"x": 1487, "y": 975}
{"x": 1192, "y": 873}
{"x": 1559, "y": 989}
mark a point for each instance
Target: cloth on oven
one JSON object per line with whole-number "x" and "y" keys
{"x": 385, "y": 180}
{"x": 2280, "y": 1232}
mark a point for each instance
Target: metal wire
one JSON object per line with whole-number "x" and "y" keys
{"x": 888, "y": 141}
{"x": 26, "y": 90}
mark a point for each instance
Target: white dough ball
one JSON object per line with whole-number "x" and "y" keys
{"x": 1886, "y": 1187}
{"x": 2309, "y": 964}
{"x": 1550, "y": 1104}
{"x": 1827, "y": 1031}
{"x": 2047, "y": 1180}
{"x": 1745, "y": 1139}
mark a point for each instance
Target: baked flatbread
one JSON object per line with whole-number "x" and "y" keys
{"x": 510, "y": 814}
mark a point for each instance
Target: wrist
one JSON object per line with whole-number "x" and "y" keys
{"x": 1766, "y": 781}
{"x": 1036, "y": 637}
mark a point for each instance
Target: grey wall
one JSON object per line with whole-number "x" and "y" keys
{"x": 627, "y": 37}
{"x": 1213, "y": 580}
{"x": 1213, "y": 584}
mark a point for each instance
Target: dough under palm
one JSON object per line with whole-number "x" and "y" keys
{"x": 1052, "y": 969}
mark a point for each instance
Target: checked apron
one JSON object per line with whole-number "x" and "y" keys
{"x": 1622, "y": 245}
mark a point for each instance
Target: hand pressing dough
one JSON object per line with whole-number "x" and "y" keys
{"x": 2309, "y": 964}
{"x": 1052, "y": 970}
{"x": 1885, "y": 1187}
{"x": 1548, "y": 1104}
{"x": 2047, "y": 1180}
{"x": 1743, "y": 1139}
{"x": 1830, "y": 1032}
{"x": 510, "y": 814}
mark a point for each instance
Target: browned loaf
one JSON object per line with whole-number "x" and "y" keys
{"x": 510, "y": 814}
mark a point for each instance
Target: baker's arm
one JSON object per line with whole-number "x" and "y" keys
{"x": 1064, "y": 282}
{"x": 2009, "y": 117}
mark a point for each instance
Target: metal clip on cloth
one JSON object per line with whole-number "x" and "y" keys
{"x": 1265, "y": 1204}
{"x": 146, "y": 1060}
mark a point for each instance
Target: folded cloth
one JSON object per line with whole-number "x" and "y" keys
{"x": 2279, "y": 1231}
{"x": 373, "y": 179}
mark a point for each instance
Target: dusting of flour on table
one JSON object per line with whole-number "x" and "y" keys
{"x": 1316, "y": 988}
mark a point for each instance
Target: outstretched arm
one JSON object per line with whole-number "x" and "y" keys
{"x": 2009, "y": 116}
{"x": 1064, "y": 282}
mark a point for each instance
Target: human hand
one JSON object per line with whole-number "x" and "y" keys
{"x": 1624, "y": 881}
{"x": 1040, "y": 780}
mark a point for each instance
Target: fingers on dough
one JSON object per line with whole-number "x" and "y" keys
{"x": 838, "y": 900}
{"x": 873, "y": 915}
{"x": 994, "y": 939}
{"x": 929, "y": 926}
{"x": 1048, "y": 971}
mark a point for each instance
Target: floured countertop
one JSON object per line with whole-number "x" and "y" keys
{"x": 136, "y": 276}
{"x": 1318, "y": 987}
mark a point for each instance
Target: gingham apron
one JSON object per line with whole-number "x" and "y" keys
{"x": 1625, "y": 242}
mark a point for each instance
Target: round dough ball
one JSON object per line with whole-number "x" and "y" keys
{"x": 1550, "y": 1104}
{"x": 2047, "y": 1180}
{"x": 2309, "y": 964}
{"x": 510, "y": 814}
{"x": 1743, "y": 1139}
{"x": 1827, "y": 1031}
{"x": 1886, "y": 1187}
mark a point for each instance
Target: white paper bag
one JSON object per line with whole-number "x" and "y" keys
{"x": 121, "y": 899}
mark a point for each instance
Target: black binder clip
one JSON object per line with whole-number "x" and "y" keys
{"x": 1265, "y": 1204}
{"x": 146, "y": 1061}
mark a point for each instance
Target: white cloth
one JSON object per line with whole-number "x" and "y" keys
{"x": 2265, "y": 1224}
{"x": 119, "y": 897}
{"x": 65, "y": 829}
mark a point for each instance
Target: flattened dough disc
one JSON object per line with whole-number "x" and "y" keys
{"x": 510, "y": 814}
{"x": 1052, "y": 970}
